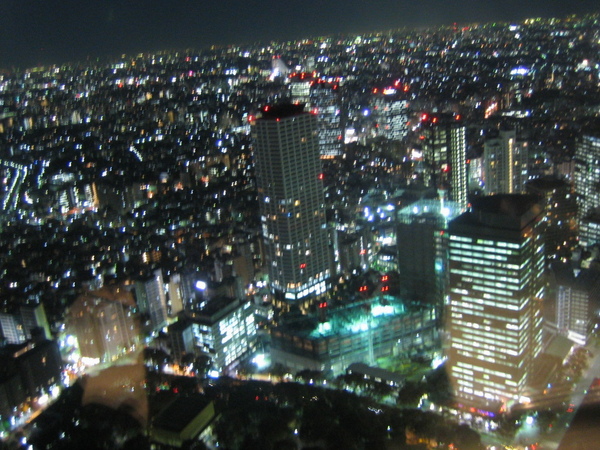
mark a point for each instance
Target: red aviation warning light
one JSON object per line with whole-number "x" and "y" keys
{"x": 303, "y": 266}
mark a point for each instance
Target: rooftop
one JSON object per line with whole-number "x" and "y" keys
{"x": 547, "y": 183}
{"x": 513, "y": 205}
{"x": 282, "y": 111}
{"x": 502, "y": 212}
{"x": 349, "y": 319}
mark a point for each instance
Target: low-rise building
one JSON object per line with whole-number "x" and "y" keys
{"x": 359, "y": 332}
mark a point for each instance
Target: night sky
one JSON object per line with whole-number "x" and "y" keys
{"x": 34, "y": 32}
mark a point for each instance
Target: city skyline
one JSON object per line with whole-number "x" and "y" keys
{"x": 198, "y": 188}
{"x": 40, "y": 34}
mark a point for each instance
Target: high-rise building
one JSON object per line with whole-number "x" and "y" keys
{"x": 105, "y": 327}
{"x": 34, "y": 369}
{"x": 422, "y": 249}
{"x": 587, "y": 180}
{"x": 391, "y": 116}
{"x": 300, "y": 85}
{"x": 505, "y": 163}
{"x": 18, "y": 326}
{"x": 560, "y": 234}
{"x": 577, "y": 301}
{"x": 496, "y": 263}
{"x": 181, "y": 335}
{"x": 152, "y": 299}
{"x": 324, "y": 100}
{"x": 11, "y": 328}
{"x": 444, "y": 145}
{"x": 290, "y": 190}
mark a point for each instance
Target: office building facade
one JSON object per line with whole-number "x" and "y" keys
{"x": 496, "y": 264}
{"x": 422, "y": 249}
{"x": 30, "y": 371}
{"x": 290, "y": 190}
{"x": 505, "y": 161}
{"x": 444, "y": 146}
{"x": 577, "y": 301}
{"x": 224, "y": 330}
{"x": 587, "y": 180}
{"x": 151, "y": 298}
{"x": 18, "y": 326}
{"x": 105, "y": 328}
{"x": 392, "y": 117}
{"x": 560, "y": 234}
{"x": 324, "y": 100}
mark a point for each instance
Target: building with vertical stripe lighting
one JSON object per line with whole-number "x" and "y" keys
{"x": 496, "y": 264}
{"x": 506, "y": 163}
{"x": 444, "y": 145}
{"x": 290, "y": 190}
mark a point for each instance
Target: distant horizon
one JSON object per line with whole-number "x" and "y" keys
{"x": 34, "y": 35}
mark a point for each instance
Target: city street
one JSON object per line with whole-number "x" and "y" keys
{"x": 551, "y": 441}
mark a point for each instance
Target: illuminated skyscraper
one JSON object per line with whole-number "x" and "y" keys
{"x": 300, "y": 88}
{"x": 152, "y": 299}
{"x": 391, "y": 116}
{"x": 587, "y": 181}
{"x": 288, "y": 172}
{"x": 323, "y": 100}
{"x": 496, "y": 263}
{"x": 505, "y": 164}
{"x": 444, "y": 142}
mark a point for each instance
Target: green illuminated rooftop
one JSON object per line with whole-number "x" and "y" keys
{"x": 350, "y": 319}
